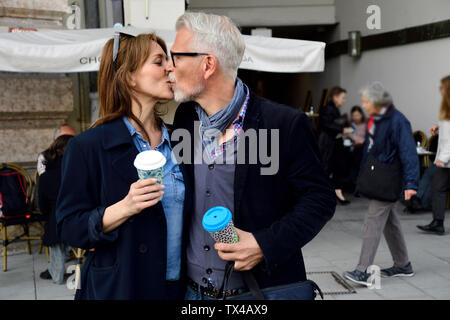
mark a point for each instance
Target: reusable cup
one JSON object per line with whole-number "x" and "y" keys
{"x": 218, "y": 222}
{"x": 150, "y": 164}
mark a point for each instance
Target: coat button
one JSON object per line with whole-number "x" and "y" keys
{"x": 209, "y": 271}
{"x": 205, "y": 281}
{"x": 206, "y": 248}
{"x": 208, "y": 193}
{"x": 143, "y": 248}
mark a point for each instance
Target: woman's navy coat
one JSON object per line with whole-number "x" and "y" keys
{"x": 130, "y": 261}
{"x": 394, "y": 141}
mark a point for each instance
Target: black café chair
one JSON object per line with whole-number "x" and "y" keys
{"x": 419, "y": 136}
{"x": 16, "y": 188}
{"x": 431, "y": 145}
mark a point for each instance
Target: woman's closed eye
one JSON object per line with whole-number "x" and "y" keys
{"x": 161, "y": 60}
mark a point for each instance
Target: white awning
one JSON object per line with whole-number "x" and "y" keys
{"x": 80, "y": 50}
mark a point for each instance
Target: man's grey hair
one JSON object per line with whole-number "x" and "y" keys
{"x": 217, "y": 35}
{"x": 377, "y": 94}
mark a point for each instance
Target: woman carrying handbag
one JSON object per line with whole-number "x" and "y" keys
{"x": 389, "y": 170}
{"x": 441, "y": 179}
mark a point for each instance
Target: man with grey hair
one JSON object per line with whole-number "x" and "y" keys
{"x": 275, "y": 214}
{"x": 390, "y": 145}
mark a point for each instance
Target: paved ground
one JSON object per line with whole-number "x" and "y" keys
{"x": 336, "y": 248}
{"x": 338, "y": 245}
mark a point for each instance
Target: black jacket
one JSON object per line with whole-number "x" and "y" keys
{"x": 130, "y": 261}
{"x": 49, "y": 183}
{"x": 283, "y": 211}
{"x": 330, "y": 120}
{"x": 331, "y": 124}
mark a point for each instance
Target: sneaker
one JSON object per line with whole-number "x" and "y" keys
{"x": 358, "y": 277}
{"x": 394, "y": 271}
{"x": 45, "y": 275}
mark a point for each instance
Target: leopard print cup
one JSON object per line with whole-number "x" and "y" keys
{"x": 226, "y": 235}
{"x": 218, "y": 221}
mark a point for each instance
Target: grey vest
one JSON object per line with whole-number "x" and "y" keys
{"x": 214, "y": 186}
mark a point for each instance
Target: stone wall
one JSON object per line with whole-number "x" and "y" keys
{"x": 33, "y": 13}
{"x": 30, "y": 109}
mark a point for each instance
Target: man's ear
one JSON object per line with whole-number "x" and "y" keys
{"x": 210, "y": 65}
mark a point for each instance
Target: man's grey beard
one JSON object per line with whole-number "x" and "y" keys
{"x": 181, "y": 96}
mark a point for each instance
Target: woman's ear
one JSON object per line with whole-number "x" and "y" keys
{"x": 131, "y": 79}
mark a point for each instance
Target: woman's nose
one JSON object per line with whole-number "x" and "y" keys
{"x": 169, "y": 66}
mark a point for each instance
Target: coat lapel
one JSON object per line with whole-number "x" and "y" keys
{"x": 251, "y": 121}
{"x": 117, "y": 140}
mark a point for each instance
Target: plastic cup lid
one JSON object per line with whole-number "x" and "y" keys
{"x": 149, "y": 160}
{"x": 216, "y": 219}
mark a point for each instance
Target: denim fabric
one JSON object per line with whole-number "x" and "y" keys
{"x": 56, "y": 266}
{"x": 172, "y": 201}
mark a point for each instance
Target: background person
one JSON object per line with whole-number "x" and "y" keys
{"x": 63, "y": 129}
{"x": 332, "y": 125}
{"x": 358, "y": 137}
{"x": 389, "y": 140}
{"x": 49, "y": 184}
{"x": 441, "y": 179}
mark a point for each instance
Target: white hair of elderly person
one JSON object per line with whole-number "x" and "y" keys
{"x": 377, "y": 95}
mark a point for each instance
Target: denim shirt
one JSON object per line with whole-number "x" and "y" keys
{"x": 172, "y": 201}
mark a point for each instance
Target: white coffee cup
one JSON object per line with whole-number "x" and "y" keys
{"x": 150, "y": 164}
{"x": 347, "y": 143}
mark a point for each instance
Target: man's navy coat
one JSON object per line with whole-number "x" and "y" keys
{"x": 284, "y": 211}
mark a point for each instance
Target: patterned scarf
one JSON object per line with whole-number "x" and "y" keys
{"x": 219, "y": 121}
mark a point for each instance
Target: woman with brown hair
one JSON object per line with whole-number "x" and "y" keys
{"x": 332, "y": 126}
{"x": 133, "y": 236}
{"x": 49, "y": 183}
{"x": 441, "y": 179}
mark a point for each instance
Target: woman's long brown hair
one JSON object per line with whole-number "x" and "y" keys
{"x": 114, "y": 91}
{"x": 445, "y": 106}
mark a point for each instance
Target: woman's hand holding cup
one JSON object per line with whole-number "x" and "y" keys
{"x": 143, "y": 194}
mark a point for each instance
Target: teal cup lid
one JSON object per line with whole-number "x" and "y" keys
{"x": 216, "y": 219}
